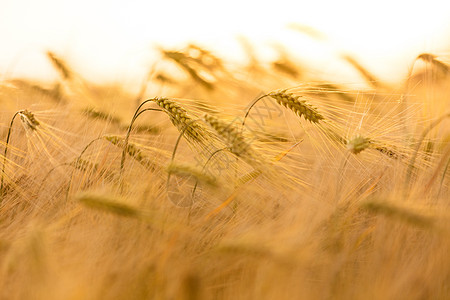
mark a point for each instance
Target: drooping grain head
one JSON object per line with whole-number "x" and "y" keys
{"x": 192, "y": 171}
{"x": 186, "y": 63}
{"x": 300, "y": 107}
{"x": 133, "y": 150}
{"x": 359, "y": 143}
{"x": 231, "y": 135}
{"x": 60, "y": 65}
{"x": 101, "y": 115}
{"x": 427, "y": 57}
{"x": 28, "y": 120}
{"x": 182, "y": 120}
{"x": 432, "y": 59}
{"x": 401, "y": 213}
{"x": 104, "y": 203}
{"x": 368, "y": 76}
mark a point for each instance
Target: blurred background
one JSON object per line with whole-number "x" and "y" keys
{"x": 115, "y": 41}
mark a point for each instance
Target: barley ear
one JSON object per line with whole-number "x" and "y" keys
{"x": 182, "y": 120}
{"x": 297, "y": 105}
{"x": 60, "y": 65}
{"x": 399, "y": 213}
{"x": 236, "y": 142}
{"x": 187, "y": 170}
{"x": 30, "y": 122}
{"x": 358, "y": 144}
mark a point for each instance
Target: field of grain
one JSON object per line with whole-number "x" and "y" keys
{"x": 225, "y": 181}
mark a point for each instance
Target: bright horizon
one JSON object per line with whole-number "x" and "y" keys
{"x": 110, "y": 41}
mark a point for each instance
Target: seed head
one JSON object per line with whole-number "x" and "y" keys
{"x": 28, "y": 119}
{"x": 300, "y": 107}
{"x": 231, "y": 135}
{"x": 358, "y": 144}
{"x": 181, "y": 118}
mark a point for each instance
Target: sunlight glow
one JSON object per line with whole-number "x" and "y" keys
{"x": 114, "y": 40}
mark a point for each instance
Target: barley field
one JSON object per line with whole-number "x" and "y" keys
{"x": 220, "y": 180}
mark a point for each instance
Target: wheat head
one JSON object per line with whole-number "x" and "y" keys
{"x": 300, "y": 107}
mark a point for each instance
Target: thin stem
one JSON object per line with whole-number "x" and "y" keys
{"x": 340, "y": 177}
{"x": 5, "y": 153}
{"x": 48, "y": 174}
{"x": 137, "y": 113}
{"x": 182, "y": 131}
{"x": 204, "y": 167}
{"x": 77, "y": 159}
{"x": 419, "y": 143}
{"x": 251, "y": 106}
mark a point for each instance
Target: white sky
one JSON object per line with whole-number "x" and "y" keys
{"x": 113, "y": 40}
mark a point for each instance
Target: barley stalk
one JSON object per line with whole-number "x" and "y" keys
{"x": 181, "y": 118}
{"x": 30, "y": 123}
{"x": 298, "y": 106}
{"x": 292, "y": 102}
{"x": 28, "y": 120}
{"x": 237, "y": 143}
{"x": 185, "y": 123}
{"x": 206, "y": 164}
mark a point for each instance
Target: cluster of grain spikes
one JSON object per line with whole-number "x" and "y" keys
{"x": 129, "y": 148}
{"x": 302, "y": 108}
{"x": 186, "y": 62}
{"x": 179, "y": 116}
{"x": 201, "y": 65}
